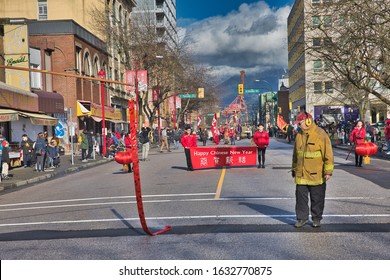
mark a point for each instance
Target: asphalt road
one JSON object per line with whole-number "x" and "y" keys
{"x": 92, "y": 214}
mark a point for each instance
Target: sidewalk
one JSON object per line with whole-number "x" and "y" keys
{"x": 25, "y": 176}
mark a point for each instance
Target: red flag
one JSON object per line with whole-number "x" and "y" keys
{"x": 199, "y": 119}
{"x": 281, "y": 123}
{"x": 214, "y": 129}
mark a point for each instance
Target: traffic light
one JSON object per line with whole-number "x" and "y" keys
{"x": 200, "y": 92}
{"x": 299, "y": 108}
{"x": 279, "y": 110}
{"x": 240, "y": 88}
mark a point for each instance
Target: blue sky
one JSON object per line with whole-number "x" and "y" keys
{"x": 201, "y": 9}
{"x": 234, "y": 35}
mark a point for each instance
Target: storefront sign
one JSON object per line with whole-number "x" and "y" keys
{"x": 9, "y": 117}
{"x": 212, "y": 157}
{"x": 109, "y": 112}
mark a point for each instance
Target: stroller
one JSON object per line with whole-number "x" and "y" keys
{"x": 56, "y": 162}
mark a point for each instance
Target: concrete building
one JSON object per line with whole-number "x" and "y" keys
{"x": 311, "y": 85}
{"x": 162, "y": 14}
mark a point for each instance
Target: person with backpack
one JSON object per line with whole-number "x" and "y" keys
{"x": 40, "y": 152}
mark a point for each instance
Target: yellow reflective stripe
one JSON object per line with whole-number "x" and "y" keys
{"x": 303, "y": 181}
{"x": 313, "y": 154}
{"x": 328, "y": 167}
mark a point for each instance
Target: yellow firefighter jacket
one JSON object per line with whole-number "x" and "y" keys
{"x": 312, "y": 157}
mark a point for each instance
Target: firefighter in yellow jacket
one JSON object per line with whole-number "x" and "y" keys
{"x": 312, "y": 166}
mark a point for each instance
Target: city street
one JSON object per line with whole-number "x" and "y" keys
{"x": 243, "y": 213}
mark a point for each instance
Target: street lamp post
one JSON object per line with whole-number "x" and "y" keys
{"x": 102, "y": 75}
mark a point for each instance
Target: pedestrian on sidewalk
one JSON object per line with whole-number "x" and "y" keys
{"x": 5, "y": 160}
{"x": 52, "y": 153}
{"x": 164, "y": 140}
{"x": 91, "y": 143}
{"x": 357, "y": 137}
{"x": 188, "y": 140}
{"x": 144, "y": 139}
{"x": 84, "y": 145}
{"x": 261, "y": 139}
{"x": 40, "y": 152}
{"x": 312, "y": 167}
{"x": 26, "y": 144}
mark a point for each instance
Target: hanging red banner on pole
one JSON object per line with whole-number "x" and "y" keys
{"x": 211, "y": 157}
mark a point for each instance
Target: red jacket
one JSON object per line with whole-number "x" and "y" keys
{"x": 261, "y": 139}
{"x": 387, "y": 132}
{"x": 358, "y": 135}
{"x": 188, "y": 141}
{"x": 127, "y": 141}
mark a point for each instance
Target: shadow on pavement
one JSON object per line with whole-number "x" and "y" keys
{"x": 189, "y": 229}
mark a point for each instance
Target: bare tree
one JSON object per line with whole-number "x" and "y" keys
{"x": 139, "y": 45}
{"x": 351, "y": 38}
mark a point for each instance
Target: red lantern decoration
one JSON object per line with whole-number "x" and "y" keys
{"x": 366, "y": 149}
{"x": 123, "y": 157}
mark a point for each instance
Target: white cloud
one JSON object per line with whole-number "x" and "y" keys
{"x": 254, "y": 37}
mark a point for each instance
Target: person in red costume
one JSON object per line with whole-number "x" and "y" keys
{"x": 357, "y": 137}
{"x": 188, "y": 141}
{"x": 261, "y": 139}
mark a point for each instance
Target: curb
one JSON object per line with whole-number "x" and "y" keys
{"x": 9, "y": 186}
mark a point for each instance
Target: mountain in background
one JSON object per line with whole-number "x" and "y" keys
{"x": 229, "y": 88}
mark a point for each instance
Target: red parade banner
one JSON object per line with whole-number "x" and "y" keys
{"x": 211, "y": 157}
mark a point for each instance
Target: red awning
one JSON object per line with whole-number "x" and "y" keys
{"x": 50, "y": 102}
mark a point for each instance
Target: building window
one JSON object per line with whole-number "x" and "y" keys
{"x": 42, "y": 9}
{"x": 317, "y": 66}
{"x": 317, "y": 87}
{"x": 35, "y": 63}
{"x": 78, "y": 59}
{"x": 316, "y": 42}
{"x": 87, "y": 64}
{"x": 48, "y": 67}
{"x": 316, "y": 21}
{"x": 327, "y": 66}
{"x": 113, "y": 11}
{"x": 95, "y": 67}
{"x": 110, "y": 73}
{"x": 120, "y": 14}
{"x": 328, "y": 87}
{"x": 327, "y": 21}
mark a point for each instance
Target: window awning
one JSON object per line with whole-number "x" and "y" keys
{"x": 50, "y": 102}
{"x": 8, "y": 115}
{"x": 96, "y": 119}
{"x": 39, "y": 119}
{"x": 82, "y": 110}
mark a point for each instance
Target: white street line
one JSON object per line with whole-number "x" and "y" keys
{"x": 102, "y": 198}
{"x": 170, "y": 201}
{"x": 189, "y": 218}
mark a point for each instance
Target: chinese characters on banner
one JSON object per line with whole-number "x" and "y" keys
{"x": 142, "y": 76}
{"x": 212, "y": 157}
